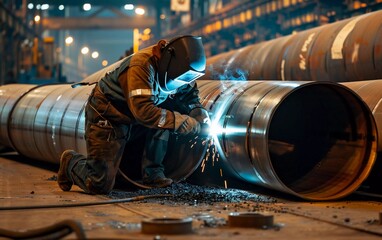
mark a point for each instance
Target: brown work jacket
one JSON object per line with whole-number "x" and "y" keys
{"x": 130, "y": 89}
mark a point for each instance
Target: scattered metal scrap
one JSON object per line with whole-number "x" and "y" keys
{"x": 185, "y": 193}
{"x": 167, "y": 225}
{"x": 250, "y": 220}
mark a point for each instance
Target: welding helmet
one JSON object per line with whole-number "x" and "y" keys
{"x": 182, "y": 61}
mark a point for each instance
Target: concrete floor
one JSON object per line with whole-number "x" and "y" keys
{"x": 24, "y": 183}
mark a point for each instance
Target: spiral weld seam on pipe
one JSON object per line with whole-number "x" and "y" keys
{"x": 343, "y": 51}
{"x": 292, "y": 145}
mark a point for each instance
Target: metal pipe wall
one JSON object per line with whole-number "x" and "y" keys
{"x": 344, "y": 51}
{"x": 9, "y": 95}
{"x": 310, "y": 139}
{"x": 347, "y": 50}
{"x": 371, "y": 93}
{"x": 44, "y": 120}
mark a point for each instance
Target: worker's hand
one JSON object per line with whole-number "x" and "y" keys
{"x": 201, "y": 115}
{"x": 185, "y": 124}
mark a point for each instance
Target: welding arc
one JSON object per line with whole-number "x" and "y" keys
{"x": 84, "y": 204}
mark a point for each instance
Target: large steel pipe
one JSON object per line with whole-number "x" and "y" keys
{"x": 44, "y": 121}
{"x": 347, "y": 50}
{"x": 314, "y": 140}
{"x": 310, "y": 139}
{"x": 41, "y": 122}
{"x": 371, "y": 93}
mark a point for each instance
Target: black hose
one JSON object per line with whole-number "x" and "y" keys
{"x": 132, "y": 199}
{"x": 55, "y": 231}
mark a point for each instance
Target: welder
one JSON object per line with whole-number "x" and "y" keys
{"x": 151, "y": 93}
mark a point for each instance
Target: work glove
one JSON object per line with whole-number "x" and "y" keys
{"x": 185, "y": 124}
{"x": 201, "y": 115}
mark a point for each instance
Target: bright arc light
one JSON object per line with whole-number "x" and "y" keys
{"x": 129, "y": 6}
{"x": 85, "y": 50}
{"x": 95, "y": 54}
{"x": 216, "y": 129}
{"x": 87, "y": 6}
{"x": 140, "y": 11}
{"x": 61, "y": 7}
{"x": 69, "y": 40}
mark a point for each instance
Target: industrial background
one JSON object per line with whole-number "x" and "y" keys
{"x": 41, "y": 41}
{"x": 306, "y": 73}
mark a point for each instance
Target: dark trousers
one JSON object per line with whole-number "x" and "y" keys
{"x": 105, "y": 142}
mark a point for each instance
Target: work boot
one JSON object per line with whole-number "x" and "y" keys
{"x": 159, "y": 182}
{"x": 63, "y": 179}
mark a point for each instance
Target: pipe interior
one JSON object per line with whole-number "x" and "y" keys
{"x": 319, "y": 141}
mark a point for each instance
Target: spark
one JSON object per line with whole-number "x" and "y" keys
{"x": 219, "y": 127}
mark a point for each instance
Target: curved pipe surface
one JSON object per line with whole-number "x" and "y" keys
{"x": 41, "y": 122}
{"x": 9, "y": 95}
{"x": 371, "y": 94}
{"x": 347, "y": 50}
{"x": 315, "y": 140}
{"x": 47, "y": 120}
{"x": 310, "y": 139}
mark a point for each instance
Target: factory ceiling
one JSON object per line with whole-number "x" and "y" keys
{"x": 103, "y": 2}
{"x": 94, "y": 21}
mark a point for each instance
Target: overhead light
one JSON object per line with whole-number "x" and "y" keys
{"x": 104, "y": 63}
{"x": 147, "y": 31}
{"x": 30, "y": 5}
{"x": 45, "y": 7}
{"x": 139, "y": 11}
{"x": 95, "y": 54}
{"x": 85, "y": 50}
{"x": 37, "y": 18}
{"x": 87, "y": 6}
{"x": 61, "y": 7}
{"x": 69, "y": 40}
{"x": 129, "y": 6}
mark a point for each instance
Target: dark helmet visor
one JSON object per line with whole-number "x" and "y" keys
{"x": 183, "y": 61}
